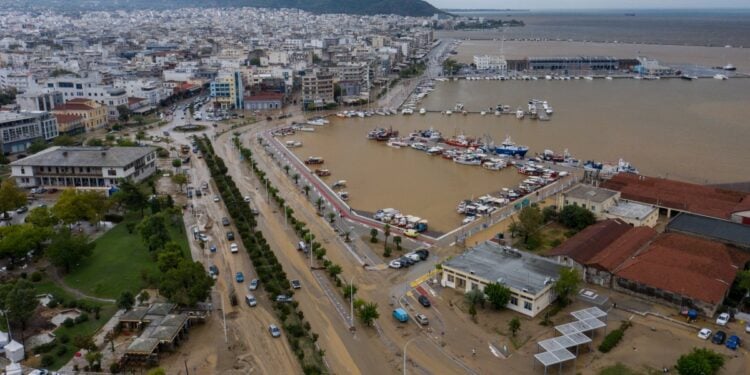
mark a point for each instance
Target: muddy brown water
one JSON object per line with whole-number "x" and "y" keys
{"x": 695, "y": 131}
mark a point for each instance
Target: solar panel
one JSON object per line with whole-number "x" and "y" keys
{"x": 554, "y": 357}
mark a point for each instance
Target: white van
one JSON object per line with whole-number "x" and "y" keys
{"x": 251, "y": 301}
{"x": 302, "y": 246}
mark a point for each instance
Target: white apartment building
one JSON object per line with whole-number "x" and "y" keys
{"x": 89, "y": 87}
{"x": 489, "y": 62}
{"x": 84, "y": 167}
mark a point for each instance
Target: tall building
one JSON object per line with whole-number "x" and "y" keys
{"x": 317, "y": 88}
{"x": 84, "y": 167}
{"x": 21, "y": 129}
{"x": 227, "y": 91}
{"x": 93, "y": 114}
{"x": 40, "y": 101}
{"x": 89, "y": 87}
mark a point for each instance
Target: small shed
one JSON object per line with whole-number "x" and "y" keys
{"x": 14, "y": 351}
{"x": 14, "y": 369}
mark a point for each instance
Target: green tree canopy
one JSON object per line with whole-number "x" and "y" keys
{"x": 576, "y": 217}
{"x": 514, "y": 325}
{"x": 42, "y": 217}
{"x": 74, "y": 206}
{"x": 170, "y": 257}
{"x": 700, "y": 362}
{"x": 131, "y": 196}
{"x": 368, "y": 312}
{"x": 17, "y": 240}
{"x": 20, "y": 303}
{"x": 529, "y": 223}
{"x": 67, "y": 250}
{"x": 187, "y": 284}
{"x": 11, "y": 197}
{"x": 154, "y": 232}
{"x": 126, "y": 300}
{"x": 64, "y": 140}
{"x": 497, "y": 294}
{"x": 474, "y": 297}
{"x": 566, "y": 284}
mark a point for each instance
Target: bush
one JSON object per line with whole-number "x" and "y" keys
{"x": 64, "y": 338}
{"x": 114, "y": 367}
{"x": 52, "y": 303}
{"x": 36, "y": 277}
{"x": 82, "y": 318}
{"x": 69, "y": 323}
{"x": 61, "y": 351}
{"x": 613, "y": 338}
{"x": 47, "y": 360}
{"x": 45, "y": 348}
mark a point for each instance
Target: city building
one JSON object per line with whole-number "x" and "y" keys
{"x": 227, "y": 91}
{"x": 93, "y": 114}
{"x": 607, "y": 204}
{"x": 69, "y": 124}
{"x": 264, "y": 101}
{"x": 709, "y": 228}
{"x": 89, "y": 87}
{"x": 493, "y": 63}
{"x": 21, "y": 129}
{"x": 530, "y": 278}
{"x": 672, "y": 197}
{"x": 317, "y": 88}
{"x": 37, "y": 100}
{"x": 682, "y": 271}
{"x": 84, "y": 167}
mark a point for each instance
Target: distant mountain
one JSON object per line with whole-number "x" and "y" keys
{"x": 419, "y": 8}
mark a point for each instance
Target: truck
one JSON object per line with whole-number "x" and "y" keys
{"x": 401, "y": 315}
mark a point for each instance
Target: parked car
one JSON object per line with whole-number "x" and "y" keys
{"x": 406, "y": 260}
{"x": 240, "y": 277}
{"x": 424, "y": 301}
{"x": 253, "y": 284}
{"x": 213, "y": 248}
{"x": 230, "y": 236}
{"x": 719, "y": 337}
{"x": 234, "y": 248}
{"x": 733, "y": 342}
{"x": 217, "y": 198}
{"x": 723, "y": 319}
{"x": 213, "y": 270}
{"x": 394, "y": 264}
{"x": 283, "y": 298}
{"x": 401, "y": 315}
{"x": 422, "y": 319}
{"x": 198, "y": 194}
{"x": 250, "y": 300}
{"x": 203, "y": 237}
{"x": 704, "y": 334}
{"x": 22, "y": 209}
{"x": 747, "y": 327}
{"x": 225, "y": 221}
{"x": 296, "y": 284}
{"x": 413, "y": 256}
{"x": 411, "y": 233}
{"x": 275, "y": 331}
{"x": 423, "y": 253}
{"x": 247, "y": 198}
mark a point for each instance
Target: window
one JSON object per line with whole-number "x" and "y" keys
{"x": 450, "y": 278}
{"x": 111, "y": 172}
{"x": 514, "y": 300}
{"x": 527, "y": 305}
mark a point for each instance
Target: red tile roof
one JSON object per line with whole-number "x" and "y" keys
{"x": 74, "y": 107}
{"x": 622, "y": 248}
{"x": 265, "y": 96}
{"x": 133, "y": 100}
{"x": 66, "y": 119}
{"x": 592, "y": 240}
{"x": 685, "y": 265}
{"x": 698, "y": 199}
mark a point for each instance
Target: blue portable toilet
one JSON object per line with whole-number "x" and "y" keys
{"x": 692, "y": 314}
{"x": 401, "y": 315}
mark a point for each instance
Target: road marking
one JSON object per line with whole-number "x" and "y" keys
{"x": 423, "y": 278}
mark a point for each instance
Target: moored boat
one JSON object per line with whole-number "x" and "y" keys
{"x": 508, "y": 147}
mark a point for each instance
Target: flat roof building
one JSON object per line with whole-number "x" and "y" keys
{"x": 21, "y": 129}
{"x": 529, "y": 277}
{"x": 607, "y": 204}
{"x": 84, "y": 167}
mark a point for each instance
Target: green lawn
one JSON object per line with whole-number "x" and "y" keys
{"x": 117, "y": 262}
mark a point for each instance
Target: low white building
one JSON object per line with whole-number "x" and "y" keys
{"x": 607, "y": 204}
{"x": 84, "y": 167}
{"x": 529, "y": 277}
{"x": 489, "y": 62}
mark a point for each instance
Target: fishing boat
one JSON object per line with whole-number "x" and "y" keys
{"x": 396, "y": 143}
{"x": 407, "y": 111}
{"x": 510, "y": 148}
{"x": 422, "y": 111}
{"x": 293, "y": 144}
{"x": 721, "y": 77}
{"x": 729, "y": 67}
{"x": 495, "y": 164}
{"x": 436, "y": 150}
{"x": 322, "y": 172}
{"x": 448, "y": 112}
{"x": 314, "y": 160}
{"x": 459, "y": 141}
{"x": 468, "y": 159}
{"x": 338, "y": 184}
{"x": 419, "y": 146}
{"x": 520, "y": 113}
{"x": 306, "y": 129}
{"x": 343, "y": 195}
{"x": 483, "y": 113}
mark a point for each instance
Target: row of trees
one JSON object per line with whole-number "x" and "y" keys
{"x": 367, "y": 312}
{"x": 531, "y": 219}
{"x": 270, "y": 272}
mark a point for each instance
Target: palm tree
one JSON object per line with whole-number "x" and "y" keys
{"x": 286, "y": 169}
{"x": 306, "y": 188}
{"x": 386, "y": 233}
{"x": 346, "y": 236}
{"x": 373, "y": 235}
{"x": 295, "y": 177}
{"x": 331, "y": 217}
{"x": 397, "y": 241}
{"x": 319, "y": 203}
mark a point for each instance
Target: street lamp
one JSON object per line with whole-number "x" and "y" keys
{"x": 405, "y": 346}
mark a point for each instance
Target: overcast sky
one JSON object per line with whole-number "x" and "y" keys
{"x": 588, "y": 4}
